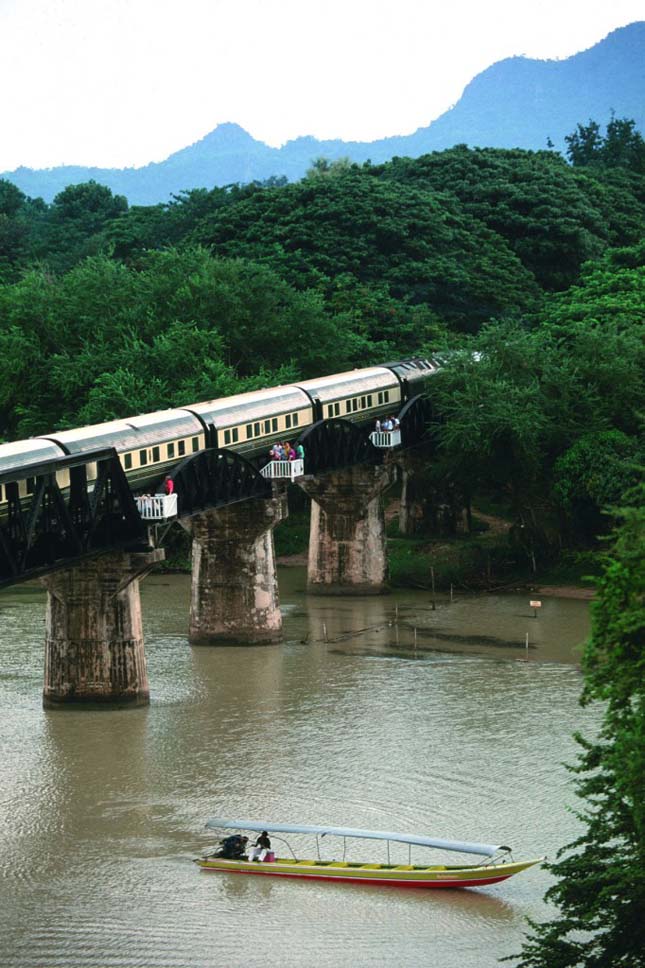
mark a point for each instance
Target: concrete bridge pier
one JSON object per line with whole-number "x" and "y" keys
{"x": 94, "y": 649}
{"x": 235, "y": 595}
{"x": 347, "y": 550}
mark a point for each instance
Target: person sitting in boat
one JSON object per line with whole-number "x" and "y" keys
{"x": 261, "y": 847}
{"x": 233, "y": 847}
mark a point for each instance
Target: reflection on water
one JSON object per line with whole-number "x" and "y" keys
{"x": 353, "y": 720}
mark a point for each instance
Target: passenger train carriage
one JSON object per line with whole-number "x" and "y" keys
{"x": 150, "y": 445}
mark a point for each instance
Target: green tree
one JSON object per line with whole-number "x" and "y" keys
{"x": 553, "y": 216}
{"x": 600, "y": 888}
{"x": 324, "y": 168}
{"x": 75, "y": 222}
{"x": 584, "y": 145}
{"x": 593, "y": 474}
{"x": 416, "y": 242}
{"x": 622, "y": 145}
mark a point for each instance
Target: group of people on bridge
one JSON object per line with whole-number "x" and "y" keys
{"x": 285, "y": 451}
{"x": 387, "y": 425}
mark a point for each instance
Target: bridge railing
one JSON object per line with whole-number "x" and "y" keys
{"x": 157, "y": 507}
{"x": 386, "y": 438}
{"x": 283, "y": 469}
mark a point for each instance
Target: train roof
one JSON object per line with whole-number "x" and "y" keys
{"x": 20, "y": 454}
{"x": 350, "y": 384}
{"x": 145, "y": 430}
{"x": 416, "y": 368}
{"x": 163, "y": 425}
{"x": 245, "y": 407}
{"x": 114, "y": 433}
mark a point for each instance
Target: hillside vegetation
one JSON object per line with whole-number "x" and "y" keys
{"x": 526, "y": 272}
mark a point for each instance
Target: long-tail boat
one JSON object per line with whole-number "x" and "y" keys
{"x": 498, "y": 866}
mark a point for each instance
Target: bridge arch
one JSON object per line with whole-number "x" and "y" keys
{"x": 414, "y": 419}
{"x": 214, "y": 478}
{"x": 336, "y": 443}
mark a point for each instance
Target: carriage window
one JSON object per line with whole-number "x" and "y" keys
{"x": 369, "y": 399}
{"x": 288, "y": 420}
{"x": 386, "y": 395}
{"x": 195, "y": 444}
{"x": 181, "y": 448}
{"x": 355, "y": 404}
{"x": 156, "y": 454}
{"x": 363, "y": 403}
{"x": 235, "y": 435}
{"x": 256, "y": 429}
{"x": 1, "y": 492}
{"x": 170, "y": 450}
{"x": 127, "y": 461}
{"x": 330, "y": 410}
{"x": 295, "y": 419}
{"x": 143, "y": 457}
{"x": 337, "y": 409}
{"x": 348, "y": 406}
{"x": 249, "y": 431}
{"x": 274, "y": 424}
{"x": 267, "y": 426}
{"x": 380, "y": 397}
{"x": 227, "y": 436}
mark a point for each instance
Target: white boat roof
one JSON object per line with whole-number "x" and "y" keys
{"x": 464, "y": 847}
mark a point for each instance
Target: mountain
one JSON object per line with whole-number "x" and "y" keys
{"x": 515, "y": 103}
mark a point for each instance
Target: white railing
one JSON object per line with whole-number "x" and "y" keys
{"x": 386, "y": 438}
{"x": 157, "y": 507}
{"x": 289, "y": 469}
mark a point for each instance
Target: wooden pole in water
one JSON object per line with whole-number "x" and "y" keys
{"x": 451, "y": 598}
{"x": 434, "y": 604}
{"x": 325, "y": 631}
{"x": 527, "y": 645}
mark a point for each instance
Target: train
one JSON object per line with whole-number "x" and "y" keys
{"x": 150, "y": 445}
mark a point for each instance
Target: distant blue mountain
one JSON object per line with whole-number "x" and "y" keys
{"x": 516, "y": 103}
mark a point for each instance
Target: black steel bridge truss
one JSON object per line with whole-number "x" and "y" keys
{"x": 53, "y": 528}
{"x": 214, "y": 478}
{"x": 334, "y": 443}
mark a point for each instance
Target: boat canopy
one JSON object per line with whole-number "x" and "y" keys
{"x": 464, "y": 847}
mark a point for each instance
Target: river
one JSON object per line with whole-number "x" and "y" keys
{"x": 461, "y": 734}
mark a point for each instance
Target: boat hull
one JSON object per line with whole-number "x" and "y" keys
{"x": 437, "y": 877}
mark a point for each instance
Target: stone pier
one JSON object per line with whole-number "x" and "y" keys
{"x": 94, "y": 649}
{"x": 347, "y": 551}
{"x": 234, "y": 585}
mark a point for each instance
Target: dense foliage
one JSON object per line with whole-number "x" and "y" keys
{"x": 600, "y": 891}
{"x": 525, "y": 273}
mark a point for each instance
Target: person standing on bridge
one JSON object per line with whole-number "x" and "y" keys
{"x": 169, "y": 485}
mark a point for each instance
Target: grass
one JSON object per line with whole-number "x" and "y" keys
{"x": 463, "y": 561}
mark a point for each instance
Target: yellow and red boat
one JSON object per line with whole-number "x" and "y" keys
{"x": 498, "y": 866}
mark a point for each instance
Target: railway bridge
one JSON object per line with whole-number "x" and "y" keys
{"x": 92, "y": 538}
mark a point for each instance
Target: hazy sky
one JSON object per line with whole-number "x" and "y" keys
{"x": 124, "y": 82}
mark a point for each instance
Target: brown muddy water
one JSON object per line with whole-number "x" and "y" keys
{"x": 349, "y": 722}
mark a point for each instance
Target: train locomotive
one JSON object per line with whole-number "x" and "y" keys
{"x": 150, "y": 445}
